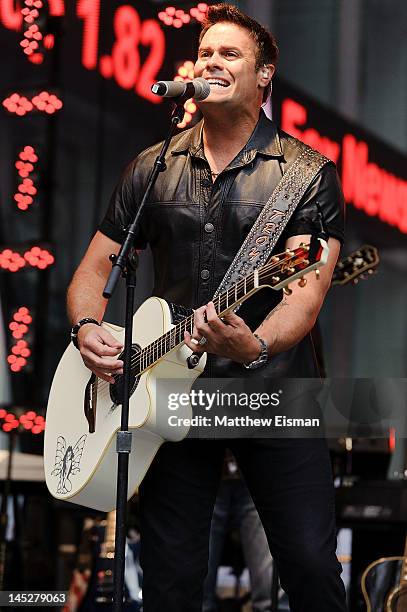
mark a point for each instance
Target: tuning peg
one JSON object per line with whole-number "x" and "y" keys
{"x": 302, "y": 282}
{"x": 275, "y": 279}
{"x": 317, "y": 274}
{"x": 287, "y": 290}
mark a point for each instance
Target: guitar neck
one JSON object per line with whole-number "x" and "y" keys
{"x": 356, "y": 265}
{"x": 224, "y": 303}
{"x": 277, "y": 273}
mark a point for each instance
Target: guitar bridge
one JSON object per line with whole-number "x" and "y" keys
{"x": 90, "y": 402}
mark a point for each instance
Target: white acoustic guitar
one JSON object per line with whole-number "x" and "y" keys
{"x": 83, "y": 413}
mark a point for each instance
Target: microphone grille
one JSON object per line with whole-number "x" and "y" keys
{"x": 202, "y": 88}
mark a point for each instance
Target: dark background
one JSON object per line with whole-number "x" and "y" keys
{"x": 338, "y": 59}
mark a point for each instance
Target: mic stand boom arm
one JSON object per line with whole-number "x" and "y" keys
{"x": 125, "y": 264}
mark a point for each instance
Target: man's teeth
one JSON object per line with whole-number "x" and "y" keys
{"x": 218, "y": 82}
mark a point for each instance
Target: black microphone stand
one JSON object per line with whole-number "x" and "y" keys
{"x": 125, "y": 264}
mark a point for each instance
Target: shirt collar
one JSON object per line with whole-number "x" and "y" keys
{"x": 264, "y": 140}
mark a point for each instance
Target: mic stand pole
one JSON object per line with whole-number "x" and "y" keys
{"x": 125, "y": 264}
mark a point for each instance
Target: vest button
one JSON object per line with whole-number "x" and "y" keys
{"x": 205, "y": 274}
{"x": 209, "y": 228}
{"x": 206, "y": 183}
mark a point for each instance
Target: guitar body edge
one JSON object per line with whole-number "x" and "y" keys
{"x": 388, "y": 597}
{"x": 81, "y": 467}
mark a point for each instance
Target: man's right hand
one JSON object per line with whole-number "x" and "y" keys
{"x": 98, "y": 348}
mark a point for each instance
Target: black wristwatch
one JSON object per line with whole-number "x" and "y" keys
{"x": 76, "y": 328}
{"x": 262, "y": 359}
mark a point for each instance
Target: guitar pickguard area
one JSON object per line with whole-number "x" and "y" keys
{"x": 179, "y": 313}
{"x": 116, "y": 389}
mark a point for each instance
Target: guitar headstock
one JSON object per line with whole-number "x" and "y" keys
{"x": 284, "y": 268}
{"x": 356, "y": 265}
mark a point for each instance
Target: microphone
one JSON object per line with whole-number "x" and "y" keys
{"x": 198, "y": 88}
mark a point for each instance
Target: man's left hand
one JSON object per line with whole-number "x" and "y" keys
{"x": 228, "y": 337}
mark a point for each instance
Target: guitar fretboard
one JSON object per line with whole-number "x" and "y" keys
{"x": 285, "y": 263}
{"x": 171, "y": 339}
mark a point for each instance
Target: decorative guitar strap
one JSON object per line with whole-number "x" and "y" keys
{"x": 269, "y": 225}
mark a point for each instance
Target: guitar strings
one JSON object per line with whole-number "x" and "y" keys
{"x": 145, "y": 353}
{"x": 149, "y": 349}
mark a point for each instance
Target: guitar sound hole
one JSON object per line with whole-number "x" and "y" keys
{"x": 116, "y": 388}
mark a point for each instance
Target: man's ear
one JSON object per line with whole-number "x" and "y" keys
{"x": 266, "y": 74}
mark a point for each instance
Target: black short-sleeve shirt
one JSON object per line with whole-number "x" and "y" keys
{"x": 195, "y": 226}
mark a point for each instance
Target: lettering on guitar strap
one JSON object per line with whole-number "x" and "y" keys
{"x": 265, "y": 233}
{"x": 67, "y": 461}
{"x": 269, "y": 225}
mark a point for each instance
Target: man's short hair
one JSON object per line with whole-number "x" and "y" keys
{"x": 267, "y": 50}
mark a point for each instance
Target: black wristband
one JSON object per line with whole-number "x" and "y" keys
{"x": 75, "y": 329}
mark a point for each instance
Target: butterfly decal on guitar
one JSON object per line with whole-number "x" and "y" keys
{"x": 67, "y": 461}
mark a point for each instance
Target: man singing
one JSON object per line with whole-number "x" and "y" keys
{"x": 219, "y": 176}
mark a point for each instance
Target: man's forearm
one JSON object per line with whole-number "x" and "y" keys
{"x": 84, "y": 297}
{"x": 287, "y": 324}
{"x": 295, "y": 316}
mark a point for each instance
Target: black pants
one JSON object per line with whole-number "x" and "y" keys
{"x": 291, "y": 484}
